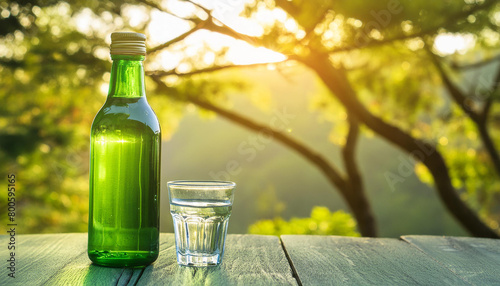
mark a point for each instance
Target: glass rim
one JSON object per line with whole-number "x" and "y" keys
{"x": 202, "y": 184}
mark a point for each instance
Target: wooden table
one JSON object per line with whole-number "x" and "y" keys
{"x": 61, "y": 259}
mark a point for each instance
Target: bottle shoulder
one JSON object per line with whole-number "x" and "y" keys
{"x": 126, "y": 113}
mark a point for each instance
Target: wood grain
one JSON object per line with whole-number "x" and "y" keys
{"x": 40, "y": 256}
{"x": 248, "y": 260}
{"x": 334, "y": 260}
{"x": 476, "y": 260}
{"x": 61, "y": 259}
{"x": 80, "y": 271}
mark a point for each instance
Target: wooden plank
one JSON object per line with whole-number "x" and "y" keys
{"x": 476, "y": 260}
{"x": 39, "y": 256}
{"x": 335, "y": 260}
{"x": 59, "y": 259}
{"x": 80, "y": 271}
{"x": 248, "y": 260}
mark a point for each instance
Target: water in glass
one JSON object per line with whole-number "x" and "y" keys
{"x": 200, "y": 229}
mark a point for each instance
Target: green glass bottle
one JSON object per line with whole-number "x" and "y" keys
{"x": 125, "y": 165}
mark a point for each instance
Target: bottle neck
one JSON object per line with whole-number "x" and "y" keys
{"x": 127, "y": 77}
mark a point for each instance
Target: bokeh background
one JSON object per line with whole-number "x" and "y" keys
{"x": 292, "y": 100}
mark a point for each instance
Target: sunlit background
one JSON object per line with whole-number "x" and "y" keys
{"x": 249, "y": 59}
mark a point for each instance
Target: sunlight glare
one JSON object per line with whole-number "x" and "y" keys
{"x": 81, "y": 20}
{"x": 447, "y": 44}
{"x": 181, "y": 8}
{"x": 104, "y": 88}
{"x": 291, "y": 25}
{"x": 136, "y": 15}
{"x": 209, "y": 58}
{"x": 279, "y": 15}
{"x": 241, "y": 53}
{"x": 164, "y": 27}
{"x": 245, "y": 26}
{"x": 88, "y": 23}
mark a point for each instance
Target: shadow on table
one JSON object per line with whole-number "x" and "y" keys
{"x": 168, "y": 274}
{"x": 99, "y": 275}
{"x": 180, "y": 275}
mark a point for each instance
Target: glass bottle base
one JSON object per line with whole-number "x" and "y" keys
{"x": 122, "y": 258}
{"x": 198, "y": 260}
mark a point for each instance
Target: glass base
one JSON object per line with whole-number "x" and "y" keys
{"x": 123, "y": 258}
{"x": 198, "y": 260}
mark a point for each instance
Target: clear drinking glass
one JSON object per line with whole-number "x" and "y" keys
{"x": 200, "y": 211}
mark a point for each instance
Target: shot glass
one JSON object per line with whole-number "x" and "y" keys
{"x": 200, "y": 211}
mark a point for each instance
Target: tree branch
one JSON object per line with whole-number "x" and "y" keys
{"x": 478, "y": 117}
{"x": 456, "y": 94}
{"x": 448, "y": 22}
{"x": 205, "y": 70}
{"x": 178, "y": 38}
{"x": 339, "y": 85}
{"x": 486, "y": 109}
{"x": 222, "y": 28}
{"x": 337, "y": 82}
{"x": 482, "y": 125}
{"x": 355, "y": 198}
{"x": 207, "y": 24}
{"x": 495, "y": 87}
{"x": 333, "y": 175}
{"x": 255, "y": 41}
{"x": 228, "y": 31}
{"x": 158, "y": 7}
{"x": 489, "y": 145}
{"x": 478, "y": 64}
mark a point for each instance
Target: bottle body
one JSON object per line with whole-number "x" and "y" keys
{"x": 124, "y": 178}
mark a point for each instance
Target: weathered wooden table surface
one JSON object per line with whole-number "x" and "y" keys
{"x": 61, "y": 259}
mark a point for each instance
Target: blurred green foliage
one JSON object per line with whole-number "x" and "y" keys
{"x": 399, "y": 83}
{"x": 53, "y": 73}
{"x": 49, "y": 95}
{"x": 321, "y": 222}
{"x": 53, "y": 81}
{"x": 268, "y": 204}
{"x": 51, "y": 89}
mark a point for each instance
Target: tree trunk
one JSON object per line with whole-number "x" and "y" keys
{"x": 336, "y": 80}
{"x": 356, "y": 201}
{"x": 363, "y": 213}
{"x": 489, "y": 144}
{"x": 351, "y": 189}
